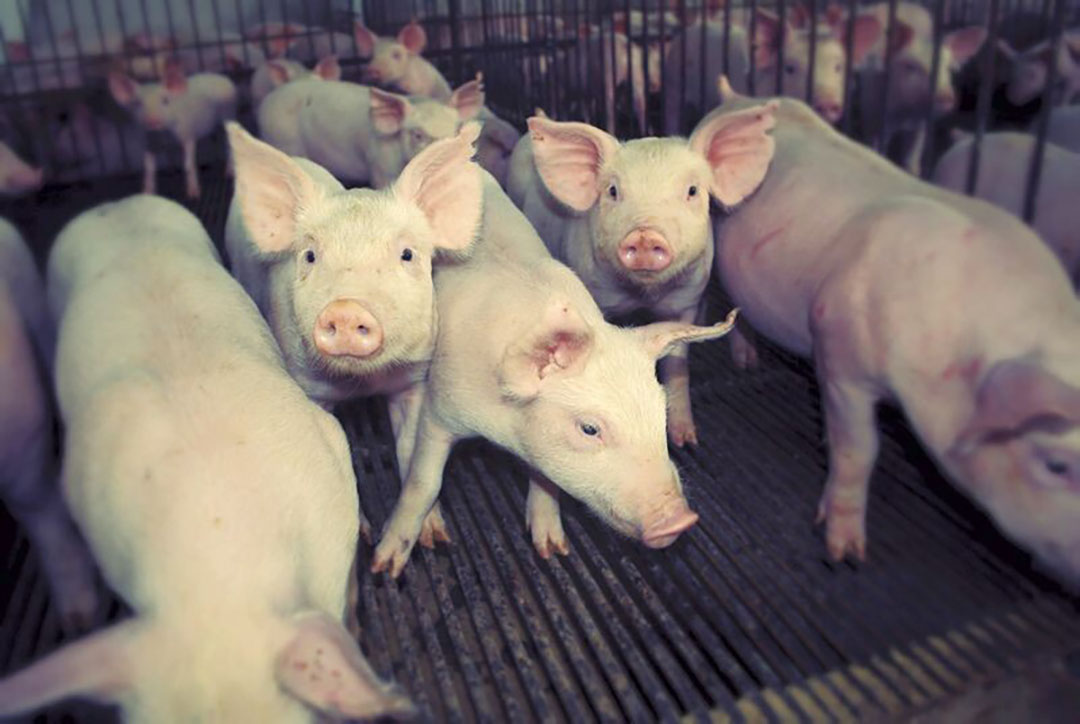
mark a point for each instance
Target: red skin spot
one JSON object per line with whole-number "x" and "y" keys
{"x": 766, "y": 239}
{"x": 969, "y": 235}
{"x": 965, "y": 371}
{"x": 819, "y": 311}
{"x": 300, "y": 665}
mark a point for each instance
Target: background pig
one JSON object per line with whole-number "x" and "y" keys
{"x": 17, "y": 177}
{"x": 1029, "y": 69}
{"x": 27, "y": 473}
{"x": 278, "y": 72}
{"x": 397, "y": 63}
{"x": 220, "y": 502}
{"x": 632, "y": 219}
{"x": 540, "y": 373}
{"x": 190, "y": 108}
{"x": 943, "y": 303}
{"x": 1004, "y": 162}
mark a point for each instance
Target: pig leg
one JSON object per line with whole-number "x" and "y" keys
{"x": 404, "y": 418}
{"x": 743, "y": 351}
{"x": 149, "y": 173}
{"x": 542, "y": 517}
{"x": 915, "y": 153}
{"x": 675, "y": 374}
{"x": 352, "y": 599}
{"x": 418, "y": 494}
{"x": 191, "y": 169}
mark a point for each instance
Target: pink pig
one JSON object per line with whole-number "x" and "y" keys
{"x": 396, "y": 62}
{"x": 946, "y": 304}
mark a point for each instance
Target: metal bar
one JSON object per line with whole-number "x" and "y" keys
{"x": 1034, "y": 176}
{"x": 982, "y": 105}
{"x": 849, "y": 71}
{"x": 928, "y": 155}
{"x": 751, "y": 35}
{"x": 883, "y": 100}
{"x": 781, "y": 50}
{"x": 812, "y": 66}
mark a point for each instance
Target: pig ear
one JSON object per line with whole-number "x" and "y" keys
{"x": 123, "y": 88}
{"x": 724, "y": 89}
{"x": 444, "y": 182}
{"x": 739, "y": 149}
{"x": 279, "y": 74}
{"x": 365, "y": 40}
{"x": 900, "y": 36}
{"x": 413, "y": 37}
{"x": 569, "y": 157}
{"x": 769, "y": 33}
{"x": 468, "y": 99}
{"x": 271, "y": 189}
{"x": 328, "y": 68}
{"x": 798, "y": 15}
{"x": 661, "y": 338}
{"x": 561, "y": 341}
{"x": 965, "y": 42}
{"x": 866, "y": 32}
{"x": 1014, "y": 396}
{"x": 175, "y": 80}
{"x": 388, "y": 111}
{"x": 324, "y": 668}
{"x": 98, "y": 667}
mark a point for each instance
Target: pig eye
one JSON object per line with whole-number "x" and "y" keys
{"x": 692, "y": 191}
{"x": 589, "y": 429}
{"x": 1057, "y": 467}
{"x": 612, "y": 191}
{"x": 309, "y": 256}
{"x": 406, "y": 254}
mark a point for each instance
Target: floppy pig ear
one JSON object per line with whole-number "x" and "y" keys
{"x": 866, "y": 32}
{"x": 560, "y": 341}
{"x": 271, "y": 188}
{"x": 279, "y": 74}
{"x": 739, "y": 149}
{"x": 661, "y": 338}
{"x": 328, "y": 68}
{"x": 1014, "y": 395}
{"x": 388, "y": 111}
{"x": 324, "y": 668}
{"x": 568, "y": 157}
{"x": 365, "y": 40}
{"x": 899, "y": 36}
{"x": 965, "y": 43}
{"x": 122, "y": 87}
{"x": 468, "y": 99}
{"x": 413, "y": 37}
{"x": 445, "y": 183}
{"x": 98, "y": 667}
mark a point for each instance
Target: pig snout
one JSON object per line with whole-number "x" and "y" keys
{"x": 666, "y": 527}
{"x": 346, "y": 328}
{"x": 830, "y": 109}
{"x": 945, "y": 101}
{"x": 645, "y": 250}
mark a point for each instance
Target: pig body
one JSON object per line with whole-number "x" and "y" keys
{"x": 17, "y": 177}
{"x": 632, "y": 219}
{"x": 276, "y": 73}
{"x": 946, "y": 304}
{"x": 28, "y": 484}
{"x": 186, "y": 445}
{"x": 396, "y": 63}
{"x": 189, "y": 108}
{"x": 1005, "y": 160}
{"x": 540, "y": 373}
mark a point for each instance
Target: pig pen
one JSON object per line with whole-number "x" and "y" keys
{"x": 745, "y": 618}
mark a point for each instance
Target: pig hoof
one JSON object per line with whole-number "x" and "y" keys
{"x": 845, "y": 530}
{"x": 365, "y": 529}
{"x": 548, "y": 535}
{"x": 434, "y": 529}
{"x": 744, "y": 355}
{"x": 682, "y": 431}
{"x": 391, "y": 555}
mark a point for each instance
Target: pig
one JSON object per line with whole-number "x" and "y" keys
{"x": 945, "y": 304}
{"x": 17, "y": 177}
{"x": 318, "y": 43}
{"x": 1005, "y": 159}
{"x": 1029, "y": 69}
{"x": 275, "y": 38}
{"x": 911, "y": 92}
{"x": 632, "y": 219}
{"x": 28, "y": 483}
{"x": 344, "y": 277}
{"x": 220, "y": 502}
{"x": 540, "y": 373}
{"x": 1063, "y": 128}
{"x": 275, "y": 73}
{"x": 360, "y": 134}
{"x": 496, "y": 145}
{"x": 397, "y": 63}
{"x": 190, "y": 108}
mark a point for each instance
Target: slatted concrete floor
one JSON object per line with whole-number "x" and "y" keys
{"x": 743, "y": 617}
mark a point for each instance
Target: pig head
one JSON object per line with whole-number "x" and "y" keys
{"x": 415, "y": 123}
{"x": 396, "y": 62}
{"x": 17, "y": 177}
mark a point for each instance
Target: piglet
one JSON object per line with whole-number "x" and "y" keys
{"x": 397, "y": 63}
{"x": 277, "y": 72}
{"x": 948, "y": 305}
{"x": 632, "y": 219}
{"x": 344, "y": 277}
{"x": 190, "y": 108}
{"x": 1029, "y": 69}
{"x": 17, "y": 177}
{"x": 540, "y": 373}
{"x": 220, "y": 502}
{"x": 27, "y": 471}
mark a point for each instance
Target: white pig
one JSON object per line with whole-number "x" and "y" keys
{"x": 525, "y": 359}
{"x": 1004, "y": 161}
{"x": 344, "y": 277}
{"x": 360, "y": 134}
{"x": 632, "y": 219}
{"x": 220, "y": 503}
{"x": 17, "y": 177}
{"x": 946, "y": 304}
{"x": 190, "y": 108}
{"x": 275, "y": 73}
{"x": 28, "y": 483}
{"x": 397, "y": 63}
{"x": 1029, "y": 70}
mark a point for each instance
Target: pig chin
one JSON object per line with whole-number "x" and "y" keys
{"x": 1062, "y": 562}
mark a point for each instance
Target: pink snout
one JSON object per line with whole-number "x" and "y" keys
{"x": 645, "y": 250}
{"x": 346, "y": 328}
{"x": 945, "y": 101}
{"x": 663, "y": 532}
{"x": 829, "y": 109}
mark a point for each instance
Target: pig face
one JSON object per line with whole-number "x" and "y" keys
{"x": 16, "y": 176}
{"x": 910, "y": 85}
{"x": 1020, "y": 456}
{"x": 421, "y": 121}
{"x": 154, "y": 105}
{"x": 1027, "y": 71}
{"x": 359, "y": 261}
{"x": 390, "y": 57}
{"x": 593, "y": 416}
{"x": 647, "y": 199}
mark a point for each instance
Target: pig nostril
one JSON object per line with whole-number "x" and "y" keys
{"x": 362, "y": 330}
{"x": 331, "y": 328}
